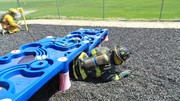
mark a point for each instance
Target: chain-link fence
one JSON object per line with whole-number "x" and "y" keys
{"x": 97, "y": 9}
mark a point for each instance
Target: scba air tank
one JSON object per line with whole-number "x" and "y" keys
{"x": 96, "y": 61}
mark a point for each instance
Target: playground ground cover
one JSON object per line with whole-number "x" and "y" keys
{"x": 155, "y": 65}
{"x": 93, "y": 9}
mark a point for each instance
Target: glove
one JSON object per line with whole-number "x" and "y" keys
{"x": 124, "y": 74}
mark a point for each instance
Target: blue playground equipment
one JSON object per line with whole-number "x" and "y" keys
{"x": 26, "y": 70}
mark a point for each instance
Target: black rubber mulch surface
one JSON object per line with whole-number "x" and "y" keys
{"x": 155, "y": 65}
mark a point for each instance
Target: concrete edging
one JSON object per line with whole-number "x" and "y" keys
{"x": 124, "y": 24}
{"x": 128, "y": 24}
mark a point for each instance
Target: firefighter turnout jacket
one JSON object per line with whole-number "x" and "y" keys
{"x": 8, "y": 23}
{"x": 105, "y": 71}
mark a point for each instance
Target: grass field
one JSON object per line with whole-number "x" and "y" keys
{"x": 93, "y": 9}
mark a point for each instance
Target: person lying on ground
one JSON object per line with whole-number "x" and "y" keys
{"x": 101, "y": 63}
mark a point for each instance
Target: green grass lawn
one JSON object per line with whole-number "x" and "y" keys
{"x": 93, "y": 9}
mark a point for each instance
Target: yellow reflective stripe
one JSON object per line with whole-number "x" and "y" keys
{"x": 116, "y": 77}
{"x": 93, "y": 52}
{"x": 75, "y": 75}
{"x": 83, "y": 74}
{"x": 82, "y": 71}
{"x": 97, "y": 69}
{"x": 122, "y": 53}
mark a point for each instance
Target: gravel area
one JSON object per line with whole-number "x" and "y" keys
{"x": 155, "y": 65}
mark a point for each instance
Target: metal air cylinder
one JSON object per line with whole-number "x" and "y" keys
{"x": 96, "y": 61}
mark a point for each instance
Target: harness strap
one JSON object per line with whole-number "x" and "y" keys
{"x": 97, "y": 69}
{"x": 82, "y": 71}
{"x": 74, "y": 72}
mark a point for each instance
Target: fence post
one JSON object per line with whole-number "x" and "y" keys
{"x": 162, "y": 4}
{"x": 57, "y": 5}
{"x": 18, "y": 3}
{"x": 103, "y": 9}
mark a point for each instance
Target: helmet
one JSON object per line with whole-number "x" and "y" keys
{"x": 13, "y": 10}
{"x": 122, "y": 53}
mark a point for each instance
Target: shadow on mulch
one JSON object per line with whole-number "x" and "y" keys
{"x": 45, "y": 92}
{"x": 52, "y": 86}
